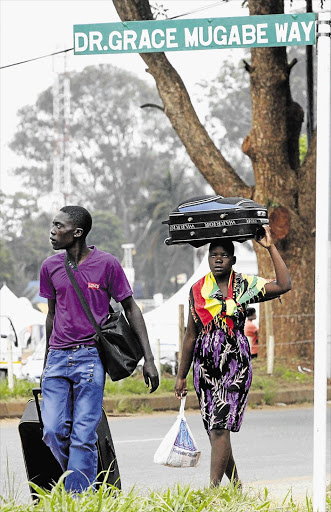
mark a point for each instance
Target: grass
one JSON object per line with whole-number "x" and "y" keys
{"x": 285, "y": 376}
{"x": 268, "y": 386}
{"x": 22, "y": 389}
{"x": 176, "y": 499}
{"x": 134, "y": 385}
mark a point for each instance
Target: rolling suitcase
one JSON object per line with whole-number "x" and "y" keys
{"x": 41, "y": 466}
{"x": 200, "y": 220}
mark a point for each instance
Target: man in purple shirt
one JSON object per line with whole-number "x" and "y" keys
{"x": 73, "y": 378}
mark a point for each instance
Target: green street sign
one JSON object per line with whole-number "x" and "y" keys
{"x": 200, "y": 34}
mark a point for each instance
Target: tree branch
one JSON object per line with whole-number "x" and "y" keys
{"x": 248, "y": 67}
{"x": 291, "y": 65}
{"x": 152, "y": 105}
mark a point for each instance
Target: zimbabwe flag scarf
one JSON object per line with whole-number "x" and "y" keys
{"x": 208, "y": 305}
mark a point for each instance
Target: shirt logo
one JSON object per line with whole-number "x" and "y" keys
{"x": 95, "y": 286}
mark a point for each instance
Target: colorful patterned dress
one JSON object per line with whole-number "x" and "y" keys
{"x": 222, "y": 371}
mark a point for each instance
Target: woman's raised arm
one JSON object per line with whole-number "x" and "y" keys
{"x": 282, "y": 284}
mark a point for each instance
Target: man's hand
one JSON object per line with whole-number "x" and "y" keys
{"x": 151, "y": 375}
{"x": 137, "y": 323}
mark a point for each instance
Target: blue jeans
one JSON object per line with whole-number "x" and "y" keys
{"x": 72, "y": 387}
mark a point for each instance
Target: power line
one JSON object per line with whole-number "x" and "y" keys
{"x": 36, "y": 58}
{"x": 70, "y": 49}
{"x": 198, "y": 10}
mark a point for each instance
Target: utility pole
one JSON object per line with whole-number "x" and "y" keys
{"x": 128, "y": 263}
{"x": 269, "y": 337}
{"x": 61, "y": 114}
{"x": 181, "y": 334}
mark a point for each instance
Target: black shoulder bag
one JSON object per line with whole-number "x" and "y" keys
{"x": 119, "y": 348}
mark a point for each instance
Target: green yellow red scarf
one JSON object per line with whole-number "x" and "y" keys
{"x": 207, "y": 302}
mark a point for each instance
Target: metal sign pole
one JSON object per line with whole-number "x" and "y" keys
{"x": 10, "y": 373}
{"x": 322, "y": 310}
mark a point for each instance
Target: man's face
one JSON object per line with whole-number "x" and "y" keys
{"x": 63, "y": 232}
{"x": 220, "y": 261}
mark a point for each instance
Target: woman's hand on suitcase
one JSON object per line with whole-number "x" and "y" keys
{"x": 266, "y": 241}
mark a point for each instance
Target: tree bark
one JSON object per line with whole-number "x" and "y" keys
{"x": 273, "y": 147}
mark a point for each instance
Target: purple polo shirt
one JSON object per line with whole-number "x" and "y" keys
{"x": 100, "y": 277}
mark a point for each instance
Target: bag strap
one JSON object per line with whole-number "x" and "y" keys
{"x": 81, "y": 297}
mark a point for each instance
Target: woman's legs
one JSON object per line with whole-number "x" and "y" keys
{"x": 222, "y": 461}
{"x": 231, "y": 470}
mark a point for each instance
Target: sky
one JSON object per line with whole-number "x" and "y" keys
{"x": 32, "y": 28}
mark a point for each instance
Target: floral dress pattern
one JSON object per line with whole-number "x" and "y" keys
{"x": 222, "y": 371}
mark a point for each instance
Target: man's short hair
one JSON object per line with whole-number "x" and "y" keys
{"x": 221, "y": 242}
{"x": 80, "y": 217}
{"x": 251, "y": 311}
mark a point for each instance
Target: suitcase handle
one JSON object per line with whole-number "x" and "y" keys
{"x": 36, "y": 392}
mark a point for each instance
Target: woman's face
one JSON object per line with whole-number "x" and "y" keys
{"x": 220, "y": 261}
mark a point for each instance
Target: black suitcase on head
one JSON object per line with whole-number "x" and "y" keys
{"x": 41, "y": 466}
{"x": 200, "y": 220}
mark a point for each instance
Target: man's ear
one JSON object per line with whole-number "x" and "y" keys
{"x": 234, "y": 259}
{"x": 78, "y": 232}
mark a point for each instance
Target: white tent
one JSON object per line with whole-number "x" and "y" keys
{"x": 19, "y": 311}
{"x": 163, "y": 322}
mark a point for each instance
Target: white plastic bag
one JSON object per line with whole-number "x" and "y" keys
{"x": 178, "y": 449}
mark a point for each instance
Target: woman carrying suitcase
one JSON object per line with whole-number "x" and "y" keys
{"x": 216, "y": 343}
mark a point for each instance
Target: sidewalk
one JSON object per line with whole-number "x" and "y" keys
{"x": 118, "y": 405}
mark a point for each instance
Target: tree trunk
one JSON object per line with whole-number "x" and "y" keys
{"x": 280, "y": 183}
{"x": 273, "y": 148}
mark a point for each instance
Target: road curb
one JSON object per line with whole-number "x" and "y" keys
{"x": 121, "y": 405}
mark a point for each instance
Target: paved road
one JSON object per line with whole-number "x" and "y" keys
{"x": 274, "y": 448}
